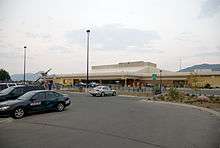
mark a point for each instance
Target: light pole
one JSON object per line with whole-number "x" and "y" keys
{"x": 87, "y": 69}
{"x": 25, "y": 47}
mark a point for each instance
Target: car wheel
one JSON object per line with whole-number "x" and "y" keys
{"x": 102, "y": 94}
{"x": 18, "y": 113}
{"x": 60, "y": 107}
{"x": 114, "y": 93}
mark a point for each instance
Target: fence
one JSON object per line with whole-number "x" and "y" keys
{"x": 147, "y": 90}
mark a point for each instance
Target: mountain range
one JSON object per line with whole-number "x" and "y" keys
{"x": 29, "y": 77}
{"x": 213, "y": 67}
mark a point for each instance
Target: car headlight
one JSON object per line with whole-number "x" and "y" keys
{"x": 4, "y": 108}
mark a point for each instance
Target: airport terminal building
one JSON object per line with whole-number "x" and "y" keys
{"x": 139, "y": 74}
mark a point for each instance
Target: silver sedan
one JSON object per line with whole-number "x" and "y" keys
{"x": 102, "y": 91}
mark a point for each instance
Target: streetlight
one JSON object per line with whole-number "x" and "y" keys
{"x": 87, "y": 70}
{"x": 25, "y": 47}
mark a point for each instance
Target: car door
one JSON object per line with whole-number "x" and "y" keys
{"x": 109, "y": 91}
{"x": 37, "y": 102}
{"x": 51, "y": 99}
{"x": 106, "y": 90}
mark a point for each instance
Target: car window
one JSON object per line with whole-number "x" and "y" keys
{"x": 105, "y": 88}
{"x": 27, "y": 95}
{"x": 39, "y": 96}
{"x": 18, "y": 91}
{"x": 51, "y": 95}
{"x": 28, "y": 89}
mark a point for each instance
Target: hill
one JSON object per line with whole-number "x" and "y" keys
{"x": 213, "y": 67}
{"x": 29, "y": 77}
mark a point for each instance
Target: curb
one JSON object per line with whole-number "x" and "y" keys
{"x": 132, "y": 96}
{"x": 187, "y": 105}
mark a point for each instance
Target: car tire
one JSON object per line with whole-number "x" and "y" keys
{"x": 102, "y": 94}
{"x": 114, "y": 93}
{"x": 60, "y": 107}
{"x": 18, "y": 113}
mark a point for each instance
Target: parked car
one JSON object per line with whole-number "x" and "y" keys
{"x": 80, "y": 84}
{"x": 93, "y": 84}
{"x": 14, "y": 92}
{"x": 102, "y": 91}
{"x": 34, "y": 101}
{"x": 6, "y": 85}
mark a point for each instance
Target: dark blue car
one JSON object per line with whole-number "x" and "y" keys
{"x": 34, "y": 101}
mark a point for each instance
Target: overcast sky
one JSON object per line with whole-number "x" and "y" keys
{"x": 159, "y": 31}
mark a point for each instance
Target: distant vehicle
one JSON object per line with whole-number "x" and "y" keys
{"x": 34, "y": 101}
{"x": 14, "y": 92}
{"x": 93, "y": 84}
{"x": 80, "y": 84}
{"x": 90, "y": 85}
{"x": 6, "y": 85}
{"x": 102, "y": 91}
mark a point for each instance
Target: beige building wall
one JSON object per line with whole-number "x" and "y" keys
{"x": 140, "y": 73}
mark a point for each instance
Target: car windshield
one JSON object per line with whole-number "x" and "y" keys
{"x": 7, "y": 90}
{"x": 27, "y": 96}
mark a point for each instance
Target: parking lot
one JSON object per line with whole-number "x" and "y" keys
{"x": 113, "y": 122}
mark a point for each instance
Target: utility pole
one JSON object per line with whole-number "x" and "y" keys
{"x": 25, "y": 47}
{"x": 87, "y": 68}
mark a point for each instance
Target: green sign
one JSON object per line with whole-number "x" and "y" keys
{"x": 154, "y": 76}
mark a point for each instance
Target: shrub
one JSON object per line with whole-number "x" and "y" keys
{"x": 203, "y": 98}
{"x": 174, "y": 94}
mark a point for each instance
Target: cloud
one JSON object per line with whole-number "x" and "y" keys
{"x": 37, "y": 35}
{"x": 114, "y": 37}
{"x": 209, "y": 8}
{"x": 6, "y": 55}
{"x": 211, "y": 53}
{"x": 59, "y": 49}
{"x": 187, "y": 37}
{"x": 208, "y": 54}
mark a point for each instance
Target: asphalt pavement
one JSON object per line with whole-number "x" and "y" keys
{"x": 113, "y": 122}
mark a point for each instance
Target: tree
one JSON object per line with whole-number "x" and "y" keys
{"x": 4, "y": 75}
